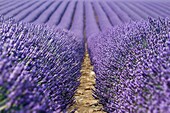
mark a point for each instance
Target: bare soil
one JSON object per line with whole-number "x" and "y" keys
{"x": 85, "y": 102}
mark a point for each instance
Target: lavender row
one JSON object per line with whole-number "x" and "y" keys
{"x": 78, "y": 20}
{"x": 2, "y": 3}
{"x": 134, "y": 16}
{"x": 156, "y": 10}
{"x": 161, "y": 8}
{"x": 103, "y": 21}
{"x": 46, "y": 15}
{"x": 148, "y": 11}
{"x": 9, "y": 4}
{"x": 132, "y": 66}
{"x": 137, "y": 10}
{"x": 106, "y": 13}
{"x": 122, "y": 15}
{"x": 16, "y": 11}
{"x": 57, "y": 15}
{"x": 23, "y": 14}
{"x": 39, "y": 68}
{"x": 165, "y": 5}
{"x": 91, "y": 23}
{"x": 66, "y": 20}
{"x": 113, "y": 17}
{"x": 8, "y": 9}
{"x": 36, "y": 13}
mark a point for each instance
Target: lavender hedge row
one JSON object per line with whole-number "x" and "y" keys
{"x": 16, "y": 11}
{"x": 161, "y": 8}
{"x": 136, "y": 9}
{"x": 36, "y": 13}
{"x": 39, "y": 68}
{"x": 57, "y": 15}
{"x": 66, "y": 20}
{"x": 24, "y": 13}
{"x": 133, "y": 15}
{"x": 122, "y": 15}
{"x": 11, "y": 3}
{"x": 78, "y": 20}
{"x": 114, "y": 18}
{"x": 14, "y": 6}
{"x": 149, "y": 12}
{"x": 90, "y": 20}
{"x": 45, "y": 16}
{"x": 2, "y": 3}
{"x": 103, "y": 21}
{"x": 156, "y": 11}
{"x": 132, "y": 66}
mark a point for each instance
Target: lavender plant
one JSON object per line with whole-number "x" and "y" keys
{"x": 24, "y": 13}
{"x": 66, "y": 20}
{"x": 45, "y": 16}
{"x": 90, "y": 22}
{"x": 78, "y": 20}
{"x": 56, "y": 16}
{"x": 134, "y": 16}
{"x": 34, "y": 15}
{"x": 132, "y": 66}
{"x": 39, "y": 68}
{"x": 113, "y": 17}
{"x": 14, "y": 12}
{"x": 103, "y": 21}
{"x": 120, "y": 13}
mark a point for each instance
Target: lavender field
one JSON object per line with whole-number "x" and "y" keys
{"x": 84, "y": 56}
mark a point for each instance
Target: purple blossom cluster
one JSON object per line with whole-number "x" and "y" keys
{"x": 132, "y": 66}
{"x": 39, "y": 68}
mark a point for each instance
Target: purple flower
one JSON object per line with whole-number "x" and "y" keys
{"x": 131, "y": 63}
{"x": 39, "y": 67}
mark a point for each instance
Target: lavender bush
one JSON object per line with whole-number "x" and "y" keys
{"x": 103, "y": 21}
{"x": 90, "y": 22}
{"x": 132, "y": 66}
{"x": 57, "y": 15}
{"x": 66, "y": 20}
{"x": 39, "y": 68}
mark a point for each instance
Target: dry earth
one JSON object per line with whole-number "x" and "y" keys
{"x": 85, "y": 102}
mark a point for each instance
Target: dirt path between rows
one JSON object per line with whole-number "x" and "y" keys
{"x": 85, "y": 102}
